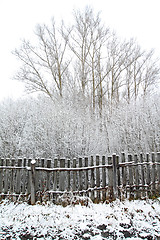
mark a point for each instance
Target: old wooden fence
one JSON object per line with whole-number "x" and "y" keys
{"x": 100, "y": 178}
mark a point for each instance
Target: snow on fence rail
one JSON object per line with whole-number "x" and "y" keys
{"x": 100, "y": 178}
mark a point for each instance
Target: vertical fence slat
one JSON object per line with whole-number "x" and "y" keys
{"x": 6, "y": 182}
{"x": 55, "y": 175}
{"x": 33, "y": 182}
{"x": 18, "y": 177}
{"x": 92, "y": 179}
{"x": 86, "y": 172}
{"x": 74, "y": 175}
{"x": 68, "y": 176}
{"x": 41, "y": 176}
{"x": 148, "y": 175}
{"x": 110, "y": 179}
{"x": 28, "y": 178}
{"x": 124, "y": 175}
{"x": 118, "y": 177}
{"x": 12, "y": 183}
{"x": 115, "y": 193}
{"x": 130, "y": 159}
{"x": 1, "y": 175}
{"x": 62, "y": 176}
{"x": 103, "y": 178}
{"x": 137, "y": 177}
{"x": 142, "y": 176}
{"x": 48, "y": 175}
{"x": 24, "y": 176}
{"x": 153, "y": 174}
{"x": 97, "y": 177}
{"x": 80, "y": 175}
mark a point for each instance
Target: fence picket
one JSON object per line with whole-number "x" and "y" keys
{"x": 115, "y": 192}
{"x": 136, "y": 177}
{"x": 131, "y": 194}
{"x": 33, "y": 182}
{"x": 92, "y": 179}
{"x": 48, "y": 175}
{"x": 124, "y": 175}
{"x": 103, "y": 178}
{"x": 153, "y": 174}
{"x": 28, "y": 178}
{"x": 23, "y": 175}
{"x": 148, "y": 178}
{"x": 68, "y": 176}
{"x": 55, "y": 175}
{"x": 6, "y": 179}
{"x": 74, "y": 175}
{"x": 62, "y": 176}
{"x": 97, "y": 177}
{"x": 142, "y": 176}
{"x": 80, "y": 175}
{"x": 1, "y": 175}
{"x": 110, "y": 179}
{"x": 86, "y": 173}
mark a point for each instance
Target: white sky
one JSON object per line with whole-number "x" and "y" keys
{"x": 129, "y": 18}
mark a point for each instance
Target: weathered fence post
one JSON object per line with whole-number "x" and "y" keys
{"x": 131, "y": 195}
{"x": 86, "y": 174}
{"x": 41, "y": 176}
{"x": 62, "y": 175}
{"x": 18, "y": 177}
{"x": 80, "y": 175}
{"x": 92, "y": 179}
{"x": 12, "y": 177}
{"x": 115, "y": 192}
{"x": 6, "y": 179}
{"x": 110, "y": 178}
{"x": 153, "y": 175}
{"x": 74, "y": 175}
{"x": 33, "y": 182}
{"x": 1, "y": 175}
{"x": 24, "y": 176}
{"x": 118, "y": 177}
{"x": 142, "y": 175}
{"x": 148, "y": 173}
{"x": 68, "y": 176}
{"x": 28, "y": 178}
{"x": 48, "y": 175}
{"x": 97, "y": 177}
{"x": 137, "y": 180}
{"x": 103, "y": 178}
{"x": 55, "y": 175}
{"x": 124, "y": 175}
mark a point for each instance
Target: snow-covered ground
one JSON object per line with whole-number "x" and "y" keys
{"x": 137, "y": 219}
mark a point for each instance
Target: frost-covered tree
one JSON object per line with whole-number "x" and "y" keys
{"x": 39, "y": 128}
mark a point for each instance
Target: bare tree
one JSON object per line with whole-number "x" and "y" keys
{"x": 150, "y": 72}
{"x": 44, "y": 66}
{"x": 86, "y": 59}
{"x": 87, "y": 38}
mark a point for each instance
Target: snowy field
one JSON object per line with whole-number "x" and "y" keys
{"x": 118, "y": 220}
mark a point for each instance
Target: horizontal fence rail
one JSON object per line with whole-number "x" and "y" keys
{"x": 99, "y": 178}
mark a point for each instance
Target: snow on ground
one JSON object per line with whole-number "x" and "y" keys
{"x": 138, "y": 219}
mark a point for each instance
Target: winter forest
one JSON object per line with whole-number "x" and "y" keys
{"x": 90, "y": 92}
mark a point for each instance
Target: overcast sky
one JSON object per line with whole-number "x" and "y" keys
{"x": 129, "y": 18}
